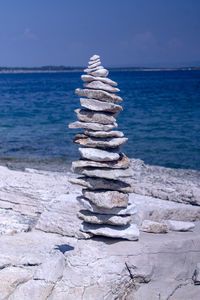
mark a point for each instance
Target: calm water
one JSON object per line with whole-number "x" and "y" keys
{"x": 161, "y": 116}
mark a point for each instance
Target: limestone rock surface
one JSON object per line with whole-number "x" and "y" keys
{"x": 92, "y": 126}
{"x": 89, "y": 78}
{"x": 99, "y": 142}
{"x": 97, "y": 105}
{"x": 98, "y": 85}
{"x": 106, "y": 199}
{"x": 98, "y": 155}
{"x": 179, "y": 225}
{"x": 95, "y": 117}
{"x": 154, "y": 227}
{"x": 106, "y": 173}
{"x": 99, "y": 95}
{"x": 104, "y": 134}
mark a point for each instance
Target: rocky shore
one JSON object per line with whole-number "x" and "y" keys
{"x": 44, "y": 255}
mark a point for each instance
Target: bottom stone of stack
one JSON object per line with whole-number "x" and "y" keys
{"x": 93, "y": 218}
{"x": 128, "y": 232}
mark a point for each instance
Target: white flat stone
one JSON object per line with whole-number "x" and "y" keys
{"x": 95, "y": 117}
{"x": 94, "y": 65}
{"x": 122, "y": 163}
{"x": 94, "y": 69}
{"x": 121, "y": 211}
{"x": 102, "y": 184}
{"x": 98, "y": 155}
{"x": 129, "y": 232}
{"x": 92, "y": 126}
{"x": 94, "y": 57}
{"x": 179, "y": 225}
{"x": 104, "y": 134}
{"x": 153, "y": 227}
{"x": 89, "y": 78}
{"x": 97, "y": 105}
{"x": 106, "y": 199}
{"x": 98, "y": 95}
{"x": 91, "y": 62}
{"x": 101, "y": 73}
{"x": 92, "y": 218}
{"x": 98, "y": 85}
{"x": 104, "y": 172}
{"x": 91, "y": 142}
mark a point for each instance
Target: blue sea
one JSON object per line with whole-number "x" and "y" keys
{"x": 161, "y": 117}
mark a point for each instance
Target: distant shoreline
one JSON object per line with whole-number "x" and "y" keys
{"x": 5, "y": 70}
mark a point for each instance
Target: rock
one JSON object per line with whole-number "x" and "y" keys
{"x": 102, "y": 184}
{"x": 106, "y": 199}
{"x": 98, "y": 85}
{"x": 92, "y": 126}
{"x": 121, "y": 211}
{"x": 164, "y": 183}
{"x": 94, "y": 57}
{"x": 95, "y": 117}
{"x": 52, "y": 269}
{"x": 99, "y": 142}
{"x": 179, "y": 225}
{"x": 98, "y": 155}
{"x": 153, "y": 227}
{"x": 101, "y": 73}
{"x": 104, "y": 172}
{"x": 196, "y": 276}
{"x": 122, "y": 163}
{"x": 94, "y": 65}
{"x": 60, "y": 217}
{"x": 128, "y": 232}
{"x": 33, "y": 289}
{"x": 104, "y": 134}
{"x": 91, "y": 70}
{"x": 91, "y": 62}
{"x": 157, "y": 210}
{"x": 90, "y": 217}
{"x": 97, "y": 105}
{"x": 98, "y": 95}
{"x": 89, "y": 78}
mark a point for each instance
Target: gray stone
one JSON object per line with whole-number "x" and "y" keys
{"x": 99, "y": 95}
{"x": 97, "y": 105}
{"x": 89, "y": 78}
{"x": 98, "y": 155}
{"x": 121, "y": 211}
{"x": 122, "y": 163}
{"x": 94, "y": 69}
{"x": 101, "y": 73}
{"x": 104, "y": 172}
{"x": 196, "y": 276}
{"x": 153, "y": 227}
{"x": 179, "y": 225}
{"x": 92, "y": 126}
{"x": 106, "y": 199}
{"x": 128, "y": 232}
{"x": 102, "y": 184}
{"x": 93, "y": 218}
{"x": 95, "y": 117}
{"x": 104, "y": 134}
{"x": 99, "y": 142}
{"x": 98, "y": 85}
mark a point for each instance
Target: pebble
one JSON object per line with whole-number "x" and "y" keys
{"x": 99, "y": 95}
{"x": 97, "y": 105}
{"x": 98, "y": 155}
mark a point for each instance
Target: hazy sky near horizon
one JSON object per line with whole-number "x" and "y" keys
{"x": 124, "y": 33}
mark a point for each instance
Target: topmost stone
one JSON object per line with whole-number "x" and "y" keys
{"x": 94, "y": 57}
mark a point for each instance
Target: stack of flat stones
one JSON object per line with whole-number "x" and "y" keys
{"x": 103, "y": 168}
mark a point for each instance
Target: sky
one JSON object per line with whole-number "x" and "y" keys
{"x": 123, "y": 32}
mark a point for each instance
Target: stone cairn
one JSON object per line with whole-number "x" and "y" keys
{"x": 106, "y": 210}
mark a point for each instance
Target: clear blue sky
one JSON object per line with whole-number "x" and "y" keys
{"x": 123, "y": 32}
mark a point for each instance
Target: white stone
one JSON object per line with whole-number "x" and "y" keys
{"x": 94, "y": 57}
{"x": 104, "y": 134}
{"x": 121, "y": 211}
{"x": 95, "y": 117}
{"x": 91, "y": 62}
{"x": 153, "y": 227}
{"x": 92, "y": 126}
{"x": 94, "y": 65}
{"x": 97, "y": 105}
{"x": 99, "y": 95}
{"x": 89, "y": 78}
{"x": 129, "y": 232}
{"x": 85, "y": 141}
{"x": 101, "y": 73}
{"x": 179, "y": 225}
{"x": 105, "y": 172}
{"x": 97, "y": 154}
{"x": 90, "y": 217}
{"x": 106, "y": 199}
{"x": 98, "y": 85}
